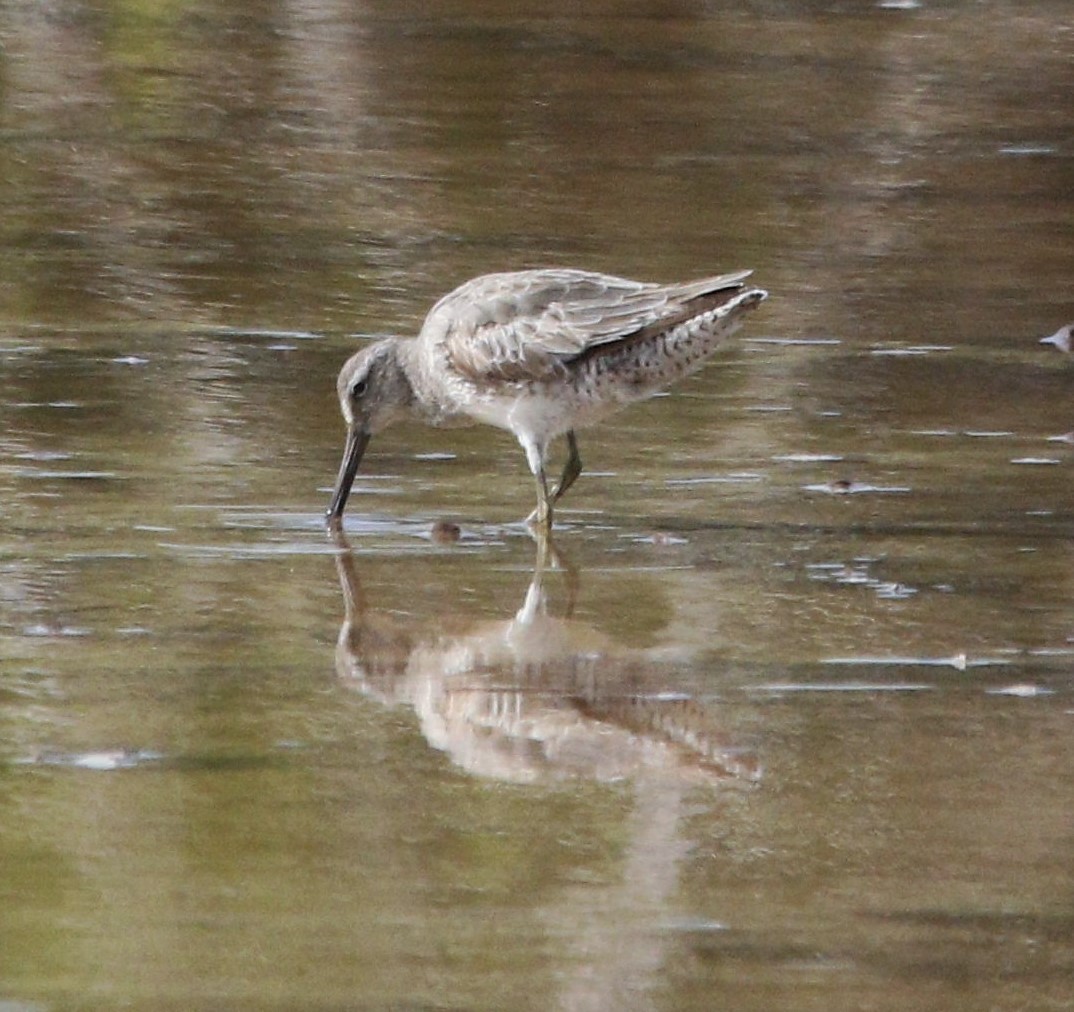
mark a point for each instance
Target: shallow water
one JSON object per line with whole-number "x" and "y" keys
{"x": 783, "y": 721}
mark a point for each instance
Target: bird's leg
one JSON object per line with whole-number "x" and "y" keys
{"x": 536, "y": 453}
{"x": 571, "y": 469}
{"x": 541, "y": 517}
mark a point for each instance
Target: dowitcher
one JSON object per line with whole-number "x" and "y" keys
{"x": 541, "y": 353}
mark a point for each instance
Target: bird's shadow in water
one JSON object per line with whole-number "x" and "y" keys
{"x": 533, "y": 697}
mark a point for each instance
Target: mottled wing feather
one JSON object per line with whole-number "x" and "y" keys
{"x": 529, "y": 325}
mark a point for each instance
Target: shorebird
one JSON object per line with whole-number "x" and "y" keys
{"x": 541, "y": 353}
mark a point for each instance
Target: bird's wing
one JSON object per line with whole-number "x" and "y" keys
{"x": 528, "y": 325}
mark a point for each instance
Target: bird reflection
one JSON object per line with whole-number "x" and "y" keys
{"x": 533, "y": 697}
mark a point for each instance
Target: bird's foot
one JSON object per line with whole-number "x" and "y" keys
{"x": 540, "y": 521}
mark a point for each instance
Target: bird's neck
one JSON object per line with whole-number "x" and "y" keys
{"x": 406, "y": 374}
{"x": 424, "y": 402}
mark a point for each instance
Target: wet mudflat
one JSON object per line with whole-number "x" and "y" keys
{"x": 783, "y": 721}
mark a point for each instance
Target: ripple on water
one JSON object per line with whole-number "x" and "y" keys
{"x": 912, "y": 349}
{"x": 44, "y": 630}
{"x": 101, "y": 761}
{"x": 964, "y": 433}
{"x": 808, "y": 458}
{"x": 790, "y": 688}
{"x": 793, "y": 342}
{"x": 733, "y": 478}
{"x": 268, "y": 549}
{"x": 371, "y": 533}
{"x": 47, "y": 474}
{"x": 44, "y": 456}
{"x": 857, "y": 574}
{"x": 1027, "y": 150}
{"x": 1021, "y": 691}
{"x": 844, "y": 486}
{"x": 959, "y": 661}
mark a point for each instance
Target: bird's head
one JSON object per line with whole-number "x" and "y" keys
{"x": 373, "y": 392}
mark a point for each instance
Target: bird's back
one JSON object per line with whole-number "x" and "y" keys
{"x": 530, "y": 325}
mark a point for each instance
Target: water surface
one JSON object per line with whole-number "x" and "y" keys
{"x": 785, "y": 719}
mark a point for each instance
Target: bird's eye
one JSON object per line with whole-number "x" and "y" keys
{"x": 359, "y": 388}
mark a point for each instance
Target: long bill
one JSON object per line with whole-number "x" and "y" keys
{"x": 357, "y": 441}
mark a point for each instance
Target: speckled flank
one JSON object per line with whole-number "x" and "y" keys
{"x": 634, "y": 371}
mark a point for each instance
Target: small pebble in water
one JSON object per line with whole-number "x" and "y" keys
{"x": 445, "y": 532}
